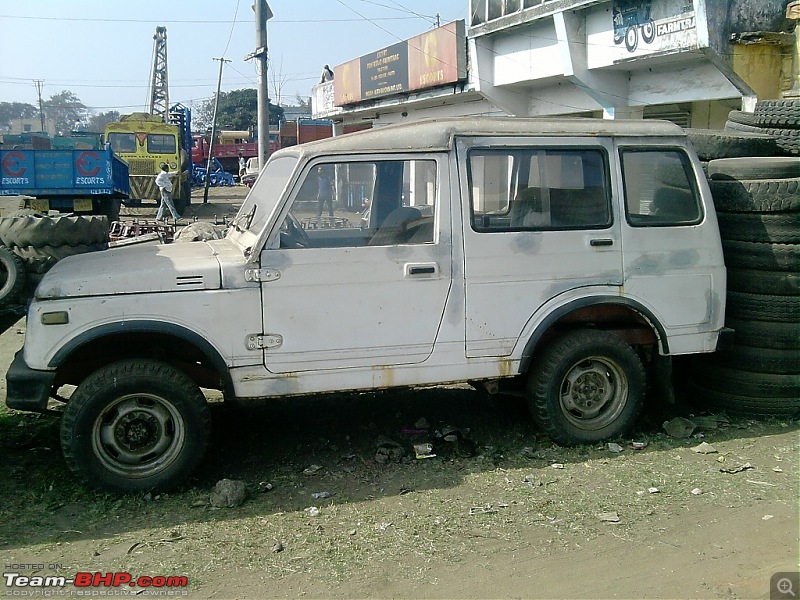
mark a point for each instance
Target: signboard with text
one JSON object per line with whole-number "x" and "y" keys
{"x": 435, "y": 58}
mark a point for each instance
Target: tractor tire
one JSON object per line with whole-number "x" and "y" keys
{"x": 40, "y": 259}
{"x": 53, "y": 231}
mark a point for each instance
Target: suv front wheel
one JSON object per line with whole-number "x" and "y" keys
{"x": 586, "y": 387}
{"x": 135, "y": 426}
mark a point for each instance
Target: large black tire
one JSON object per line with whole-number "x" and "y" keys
{"x": 761, "y": 256}
{"x": 735, "y": 403}
{"x": 711, "y": 144}
{"x": 587, "y": 386}
{"x": 760, "y": 167}
{"x": 183, "y": 198}
{"x": 746, "y": 383}
{"x": 777, "y": 283}
{"x": 743, "y": 118}
{"x": 758, "y": 307}
{"x": 53, "y": 231}
{"x": 39, "y": 260}
{"x": 778, "y": 228}
{"x": 784, "y": 114}
{"x": 764, "y": 195}
{"x": 766, "y": 334}
{"x": 756, "y": 360}
{"x": 12, "y": 276}
{"x": 135, "y": 426}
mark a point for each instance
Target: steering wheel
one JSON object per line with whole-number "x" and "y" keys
{"x": 292, "y": 234}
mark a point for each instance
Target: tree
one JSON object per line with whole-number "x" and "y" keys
{"x": 66, "y": 109}
{"x": 98, "y": 122}
{"x": 237, "y": 109}
{"x": 16, "y": 110}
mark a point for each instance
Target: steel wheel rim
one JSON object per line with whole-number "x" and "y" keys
{"x": 138, "y": 435}
{"x": 593, "y": 392}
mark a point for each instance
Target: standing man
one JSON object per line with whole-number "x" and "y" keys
{"x": 326, "y": 190}
{"x": 164, "y": 184}
{"x": 242, "y": 166}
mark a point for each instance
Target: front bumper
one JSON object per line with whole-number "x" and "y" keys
{"x": 27, "y": 389}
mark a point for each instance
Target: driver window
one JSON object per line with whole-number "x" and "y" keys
{"x": 363, "y": 203}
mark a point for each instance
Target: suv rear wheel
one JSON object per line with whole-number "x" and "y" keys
{"x": 587, "y": 386}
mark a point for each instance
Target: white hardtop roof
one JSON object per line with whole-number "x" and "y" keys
{"x": 438, "y": 134}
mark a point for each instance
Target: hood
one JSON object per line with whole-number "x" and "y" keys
{"x": 139, "y": 269}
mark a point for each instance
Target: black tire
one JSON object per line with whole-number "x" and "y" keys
{"x": 777, "y": 283}
{"x": 743, "y": 127}
{"x": 585, "y": 387}
{"x": 148, "y": 400}
{"x": 39, "y": 260}
{"x": 777, "y": 228}
{"x": 784, "y": 114}
{"x": 788, "y": 140}
{"x": 183, "y": 198}
{"x": 761, "y": 256}
{"x": 713, "y": 144}
{"x": 758, "y": 307}
{"x": 761, "y": 195}
{"x": 765, "y": 334}
{"x": 53, "y": 231}
{"x": 12, "y": 276}
{"x": 760, "y": 167}
{"x": 735, "y": 403}
{"x": 743, "y": 118}
{"x": 756, "y": 360}
{"x": 746, "y": 383}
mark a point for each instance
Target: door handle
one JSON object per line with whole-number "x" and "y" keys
{"x": 601, "y": 242}
{"x": 417, "y": 269}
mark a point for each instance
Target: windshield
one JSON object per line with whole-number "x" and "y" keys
{"x": 263, "y": 199}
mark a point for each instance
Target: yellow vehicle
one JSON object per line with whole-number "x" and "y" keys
{"x": 144, "y": 141}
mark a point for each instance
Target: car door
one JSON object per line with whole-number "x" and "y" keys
{"x": 538, "y": 224}
{"x": 367, "y": 286}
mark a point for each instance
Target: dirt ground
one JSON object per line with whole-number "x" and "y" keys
{"x": 500, "y": 513}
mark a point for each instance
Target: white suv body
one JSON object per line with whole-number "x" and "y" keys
{"x": 565, "y": 255}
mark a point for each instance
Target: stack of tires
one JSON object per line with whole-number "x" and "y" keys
{"x": 778, "y": 118}
{"x": 757, "y": 201}
{"x": 32, "y": 243}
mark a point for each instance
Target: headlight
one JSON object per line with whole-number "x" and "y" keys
{"x": 173, "y": 165}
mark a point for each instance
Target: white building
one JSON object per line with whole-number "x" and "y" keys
{"x": 690, "y": 61}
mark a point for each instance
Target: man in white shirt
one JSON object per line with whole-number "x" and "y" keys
{"x": 165, "y": 186}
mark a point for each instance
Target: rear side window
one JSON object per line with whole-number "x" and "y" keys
{"x": 659, "y": 188}
{"x": 539, "y": 189}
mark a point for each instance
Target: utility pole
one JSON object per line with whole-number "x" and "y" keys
{"x": 222, "y": 62}
{"x": 39, "y": 83}
{"x": 263, "y": 13}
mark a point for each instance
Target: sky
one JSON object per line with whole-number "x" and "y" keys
{"x": 102, "y": 50}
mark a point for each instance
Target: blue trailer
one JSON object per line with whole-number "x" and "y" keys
{"x": 93, "y": 181}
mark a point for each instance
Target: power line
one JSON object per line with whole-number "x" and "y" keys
{"x": 196, "y": 21}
